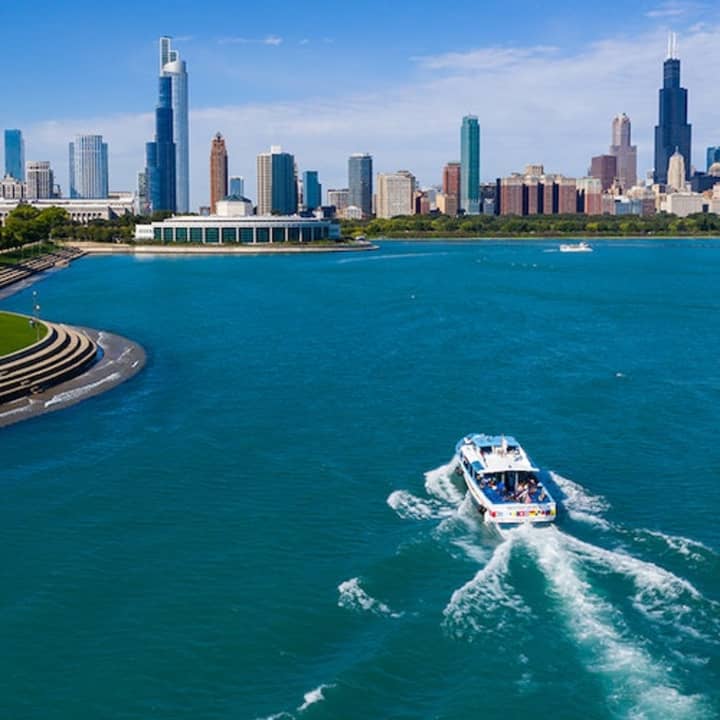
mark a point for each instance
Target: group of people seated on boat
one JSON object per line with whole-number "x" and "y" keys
{"x": 511, "y": 488}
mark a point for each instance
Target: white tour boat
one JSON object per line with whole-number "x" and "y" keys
{"x": 576, "y": 247}
{"x": 503, "y": 482}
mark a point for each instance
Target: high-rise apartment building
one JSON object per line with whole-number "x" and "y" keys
{"x": 713, "y": 156}
{"x": 88, "y": 167}
{"x": 395, "y": 194}
{"x": 451, "y": 179}
{"x": 276, "y": 183}
{"x": 673, "y": 132}
{"x": 339, "y": 198}
{"x": 360, "y": 182}
{"x": 39, "y": 180}
{"x": 470, "y": 165}
{"x": 172, "y": 66}
{"x": 160, "y": 154}
{"x": 624, "y": 151}
{"x": 604, "y": 168}
{"x": 237, "y": 186}
{"x": 312, "y": 190}
{"x": 218, "y": 172}
{"x": 15, "y": 154}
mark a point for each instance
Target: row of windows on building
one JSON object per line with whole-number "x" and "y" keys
{"x": 248, "y": 235}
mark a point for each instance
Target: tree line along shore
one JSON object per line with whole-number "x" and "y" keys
{"x": 27, "y": 225}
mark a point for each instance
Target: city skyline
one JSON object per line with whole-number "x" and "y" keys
{"x": 561, "y": 123}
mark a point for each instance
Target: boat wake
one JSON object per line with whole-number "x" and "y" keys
{"x": 631, "y": 620}
{"x": 352, "y": 596}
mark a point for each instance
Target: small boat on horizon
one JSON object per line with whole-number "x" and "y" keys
{"x": 502, "y": 481}
{"x": 582, "y": 246}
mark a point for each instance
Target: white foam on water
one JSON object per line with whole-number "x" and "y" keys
{"x": 279, "y": 716}
{"x": 580, "y": 504}
{"x": 440, "y": 483}
{"x": 660, "y": 595}
{"x": 353, "y": 597}
{"x": 314, "y": 696}
{"x": 692, "y": 549}
{"x": 640, "y": 687}
{"x": 474, "y": 606}
{"x": 471, "y": 550}
{"x": 411, "y": 507}
{"x": 79, "y": 392}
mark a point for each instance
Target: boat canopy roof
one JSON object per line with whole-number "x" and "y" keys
{"x": 494, "y": 453}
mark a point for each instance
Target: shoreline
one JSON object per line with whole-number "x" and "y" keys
{"x": 122, "y": 359}
{"x": 92, "y": 248}
{"x": 541, "y": 238}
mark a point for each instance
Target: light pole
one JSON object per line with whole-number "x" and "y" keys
{"x": 36, "y": 315}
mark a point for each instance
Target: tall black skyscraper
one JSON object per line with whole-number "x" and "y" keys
{"x": 160, "y": 154}
{"x": 672, "y": 131}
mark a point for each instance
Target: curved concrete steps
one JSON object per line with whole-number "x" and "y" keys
{"x": 64, "y": 353}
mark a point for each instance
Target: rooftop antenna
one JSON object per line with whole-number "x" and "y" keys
{"x": 672, "y": 46}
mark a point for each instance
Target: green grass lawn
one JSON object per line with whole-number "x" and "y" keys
{"x": 16, "y": 333}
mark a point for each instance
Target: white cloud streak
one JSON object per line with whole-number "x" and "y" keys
{"x": 535, "y": 104}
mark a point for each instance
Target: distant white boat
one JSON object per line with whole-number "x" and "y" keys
{"x": 576, "y": 247}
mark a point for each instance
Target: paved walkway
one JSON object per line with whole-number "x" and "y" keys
{"x": 122, "y": 359}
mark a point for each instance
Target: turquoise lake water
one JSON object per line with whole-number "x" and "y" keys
{"x": 263, "y": 523}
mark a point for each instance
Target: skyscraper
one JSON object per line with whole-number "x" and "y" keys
{"x": 360, "y": 182}
{"x": 604, "y": 168}
{"x": 676, "y": 174}
{"x": 218, "y": 171}
{"x": 173, "y": 67}
{"x": 39, "y": 180}
{"x": 672, "y": 131}
{"x": 395, "y": 194}
{"x": 470, "y": 165}
{"x": 237, "y": 186}
{"x": 713, "y": 156}
{"x": 312, "y": 190}
{"x": 160, "y": 154}
{"x": 451, "y": 179}
{"x": 277, "y": 183}
{"x": 14, "y": 154}
{"x": 88, "y": 160}
{"x": 624, "y": 151}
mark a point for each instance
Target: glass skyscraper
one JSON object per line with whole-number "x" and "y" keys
{"x": 672, "y": 131}
{"x": 277, "y": 183}
{"x": 15, "y": 154}
{"x": 360, "y": 182}
{"x": 160, "y": 154}
{"x": 713, "y": 156}
{"x": 312, "y": 190}
{"x": 173, "y": 67}
{"x": 470, "y": 165}
{"x": 88, "y": 159}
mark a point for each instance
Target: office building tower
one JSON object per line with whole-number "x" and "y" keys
{"x": 15, "y": 154}
{"x": 142, "y": 206}
{"x": 237, "y": 186}
{"x": 160, "y": 154}
{"x": 339, "y": 198}
{"x": 713, "y": 156}
{"x": 360, "y": 182}
{"x": 39, "y": 180}
{"x": 276, "y": 183}
{"x": 470, "y": 165}
{"x": 395, "y": 194}
{"x": 624, "y": 151}
{"x": 11, "y": 189}
{"x": 218, "y": 172}
{"x": 88, "y": 167}
{"x": 172, "y": 66}
{"x": 604, "y": 168}
{"x": 312, "y": 190}
{"x": 451, "y": 180}
{"x": 672, "y": 131}
{"x": 676, "y": 172}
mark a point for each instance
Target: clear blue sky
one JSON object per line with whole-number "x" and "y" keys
{"x": 80, "y": 65}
